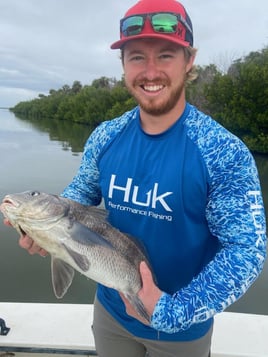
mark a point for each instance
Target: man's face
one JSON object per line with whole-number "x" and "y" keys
{"x": 155, "y": 72}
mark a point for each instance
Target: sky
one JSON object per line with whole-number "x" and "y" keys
{"x": 45, "y": 44}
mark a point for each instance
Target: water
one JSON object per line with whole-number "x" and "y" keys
{"x": 44, "y": 155}
{"x": 40, "y": 156}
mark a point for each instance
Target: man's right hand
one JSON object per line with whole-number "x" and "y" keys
{"x": 28, "y": 243}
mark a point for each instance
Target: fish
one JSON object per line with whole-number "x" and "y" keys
{"x": 79, "y": 238}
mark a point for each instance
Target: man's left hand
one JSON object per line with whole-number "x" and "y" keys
{"x": 149, "y": 294}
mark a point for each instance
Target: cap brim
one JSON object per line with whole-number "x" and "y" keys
{"x": 119, "y": 44}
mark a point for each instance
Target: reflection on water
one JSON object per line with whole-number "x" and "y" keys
{"x": 71, "y": 135}
{"x": 36, "y": 155}
{"x": 44, "y": 155}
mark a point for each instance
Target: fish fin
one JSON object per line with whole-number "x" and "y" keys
{"x": 138, "y": 305}
{"x": 80, "y": 211}
{"x": 86, "y": 236}
{"x": 80, "y": 259}
{"x": 100, "y": 213}
{"x": 62, "y": 276}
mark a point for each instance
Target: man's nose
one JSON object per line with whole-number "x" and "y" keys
{"x": 151, "y": 68}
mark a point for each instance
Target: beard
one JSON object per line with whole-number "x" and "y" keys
{"x": 156, "y": 106}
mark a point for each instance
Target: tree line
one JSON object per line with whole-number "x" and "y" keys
{"x": 237, "y": 98}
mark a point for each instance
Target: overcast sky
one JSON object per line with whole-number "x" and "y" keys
{"x": 45, "y": 44}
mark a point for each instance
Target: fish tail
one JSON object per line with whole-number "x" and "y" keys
{"x": 139, "y": 307}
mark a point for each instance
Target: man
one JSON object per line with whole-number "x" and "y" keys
{"x": 181, "y": 184}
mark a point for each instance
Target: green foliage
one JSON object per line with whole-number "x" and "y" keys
{"x": 195, "y": 90}
{"x": 105, "y": 98}
{"x": 237, "y": 99}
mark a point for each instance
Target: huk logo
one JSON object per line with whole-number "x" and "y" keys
{"x": 131, "y": 193}
{"x": 256, "y": 207}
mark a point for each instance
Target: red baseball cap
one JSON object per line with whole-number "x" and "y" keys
{"x": 183, "y": 34}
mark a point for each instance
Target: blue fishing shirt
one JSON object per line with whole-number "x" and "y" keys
{"x": 192, "y": 196}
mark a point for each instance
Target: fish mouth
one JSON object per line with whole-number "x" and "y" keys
{"x": 8, "y": 201}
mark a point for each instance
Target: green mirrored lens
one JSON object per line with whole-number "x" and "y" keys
{"x": 132, "y": 25}
{"x": 166, "y": 23}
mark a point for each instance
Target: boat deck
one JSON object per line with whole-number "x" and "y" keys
{"x": 65, "y": 329}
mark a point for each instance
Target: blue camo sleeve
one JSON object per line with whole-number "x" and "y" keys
{"x": 84, "y": 187}
{"x": 235, "y": 215}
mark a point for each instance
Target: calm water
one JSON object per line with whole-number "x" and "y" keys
{"x": 44, "y": 156}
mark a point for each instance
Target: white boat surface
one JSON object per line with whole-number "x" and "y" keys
{"x": 55, "y": 330}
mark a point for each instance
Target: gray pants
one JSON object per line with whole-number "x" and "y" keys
{"x": 112, "y": 340}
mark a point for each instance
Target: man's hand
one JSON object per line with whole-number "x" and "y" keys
{"x": 149, "y": 294}
{"x": 27, "y": 243}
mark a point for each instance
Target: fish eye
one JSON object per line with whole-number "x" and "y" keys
{"x": 34, "y": 193}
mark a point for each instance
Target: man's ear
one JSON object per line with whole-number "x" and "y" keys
{"x": 190, "y": 63}
{"x": 122, "y": 56}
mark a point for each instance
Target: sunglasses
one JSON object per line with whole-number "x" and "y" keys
{"x": 164, "y": 22}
